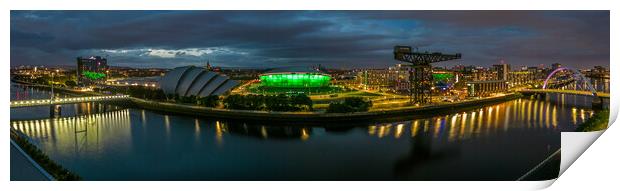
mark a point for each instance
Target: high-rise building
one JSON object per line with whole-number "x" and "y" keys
{"x": 537, "y": 72}
{"x": 599, "y": 69}
{"x": 502, "y": 70}
{"x": 521, "y": 77}
{"x": 400, "y": 76}
{"x": 473, "y": 73}
{"x": 376, "y": 79}
{"x": 92, "y": 69}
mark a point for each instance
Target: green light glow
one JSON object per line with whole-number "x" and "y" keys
{"x": 295, "y": 80}
{"x": 442, "y": 76}
{"x": 93, "y": 75}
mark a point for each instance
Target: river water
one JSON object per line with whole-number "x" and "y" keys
{"x": 498, "y": 142}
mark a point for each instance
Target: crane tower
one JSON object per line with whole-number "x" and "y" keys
{"x": 421, "y": 72}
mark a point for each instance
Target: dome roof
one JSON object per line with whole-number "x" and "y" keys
{"x": 294, "y": 69}
{"x": 195, "y": 81}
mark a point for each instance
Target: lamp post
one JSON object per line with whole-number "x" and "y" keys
{"x": 52, "y": 87}
{"x": 52, "y": 84}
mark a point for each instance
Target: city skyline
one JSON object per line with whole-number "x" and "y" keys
{"x": 303, "y": 95}
{"x": 338, "y": 39}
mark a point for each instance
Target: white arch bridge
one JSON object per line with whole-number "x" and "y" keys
{"x": 584, "y": 89}
{"x": 61, "y": 101}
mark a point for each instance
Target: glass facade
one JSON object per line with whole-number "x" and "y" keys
{"x": 303, "y": 80}
{"x": 91, "y": 70}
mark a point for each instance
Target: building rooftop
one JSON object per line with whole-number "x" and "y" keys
{"x": 294, "y": 69}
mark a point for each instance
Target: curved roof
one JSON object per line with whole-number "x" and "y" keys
{"x": 196, "y": 81}
{"x": 294, "y": 69}
{"x": 171, "y": 79}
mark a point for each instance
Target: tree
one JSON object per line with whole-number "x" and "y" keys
{"x": 279, "y": 102}
{"x": 350, "y": 104}
{"x": 233, "y": 102}
{"x": 42, "y": 80}
{"x": 70, "y": 83}
{"x": 187, "y": 99}
{"x": 209, "y": 101}
{"x": 302, "y": 101}
{"x": 358, "y": 103}
{"x": 338, "y": 108}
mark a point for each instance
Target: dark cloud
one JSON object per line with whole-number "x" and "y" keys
{"x": 283, "y": 38}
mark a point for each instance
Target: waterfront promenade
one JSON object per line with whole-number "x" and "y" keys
{"x": 23, "y": 168}
{"x": 379, "y": 114}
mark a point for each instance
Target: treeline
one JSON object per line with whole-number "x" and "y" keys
{"x": 350, "y": 104}
{"x": 281, "y": 102}
{"x": 66, "y": 81}
{"x": 54, "y": 169}
{"x": 208, "y": 101}
{"x": 598, "y": 122}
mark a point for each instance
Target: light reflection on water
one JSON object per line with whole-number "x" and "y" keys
{"x": 498, "y": 142}
{"x": 135, "y": 144}
{"x": 538, "y": 114}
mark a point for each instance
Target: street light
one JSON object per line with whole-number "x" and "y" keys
{"x": 52, "y": 84}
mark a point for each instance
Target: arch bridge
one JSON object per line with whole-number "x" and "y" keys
{"x": 582, "y": 87}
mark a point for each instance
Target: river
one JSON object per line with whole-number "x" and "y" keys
{"x": 498, "y": 142}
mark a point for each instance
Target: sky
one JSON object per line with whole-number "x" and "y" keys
{"x": 335, "y": 39}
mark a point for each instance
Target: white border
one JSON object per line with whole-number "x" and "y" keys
{"x": 595, "y": 169}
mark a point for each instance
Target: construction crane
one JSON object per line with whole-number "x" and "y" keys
{"x": 421, "y": 72}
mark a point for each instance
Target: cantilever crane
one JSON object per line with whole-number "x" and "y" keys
{"x": 421, "y": 75}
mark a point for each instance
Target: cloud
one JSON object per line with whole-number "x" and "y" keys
{"x": 331, "y": 38}
{"x": 172, "y": 53}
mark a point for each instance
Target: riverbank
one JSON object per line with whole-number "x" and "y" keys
{"x": 401, "y": 112}
{"x": 598, "y": 122}
{"x": 312, "y": 117}
{"x": 546, "y": 170}
{"x": 45, "y": 166}
{"x": 68, "y": 91}
{"x": 549, "y": 168}
{"x": 23, "y": 168}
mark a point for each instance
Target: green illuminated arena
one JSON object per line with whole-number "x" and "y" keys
{"x": 443, "y": 76}
{"x": 93, "y": 75}
{"x": 295, "y": 80}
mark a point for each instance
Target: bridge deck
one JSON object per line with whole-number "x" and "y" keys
{"x": 59, "y": 101}
{"x": 574, "y": 92}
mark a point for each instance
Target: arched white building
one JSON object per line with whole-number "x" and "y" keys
{"x": 195, "y": 81}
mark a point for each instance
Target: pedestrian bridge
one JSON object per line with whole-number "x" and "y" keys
{"x": 70, "y": 100}
{"x": 559, "y": 91}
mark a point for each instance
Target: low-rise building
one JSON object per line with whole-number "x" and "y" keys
{"x": 486, "y": 88}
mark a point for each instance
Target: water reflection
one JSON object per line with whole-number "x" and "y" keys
{"x": 135, "y": 144}
{"x": 486, "y": 121}
{"x": 455, "y": 127}
{"x": 81, "y": 134}
{"x": 420, "y": 153}
{"x": 25, "y": 92}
